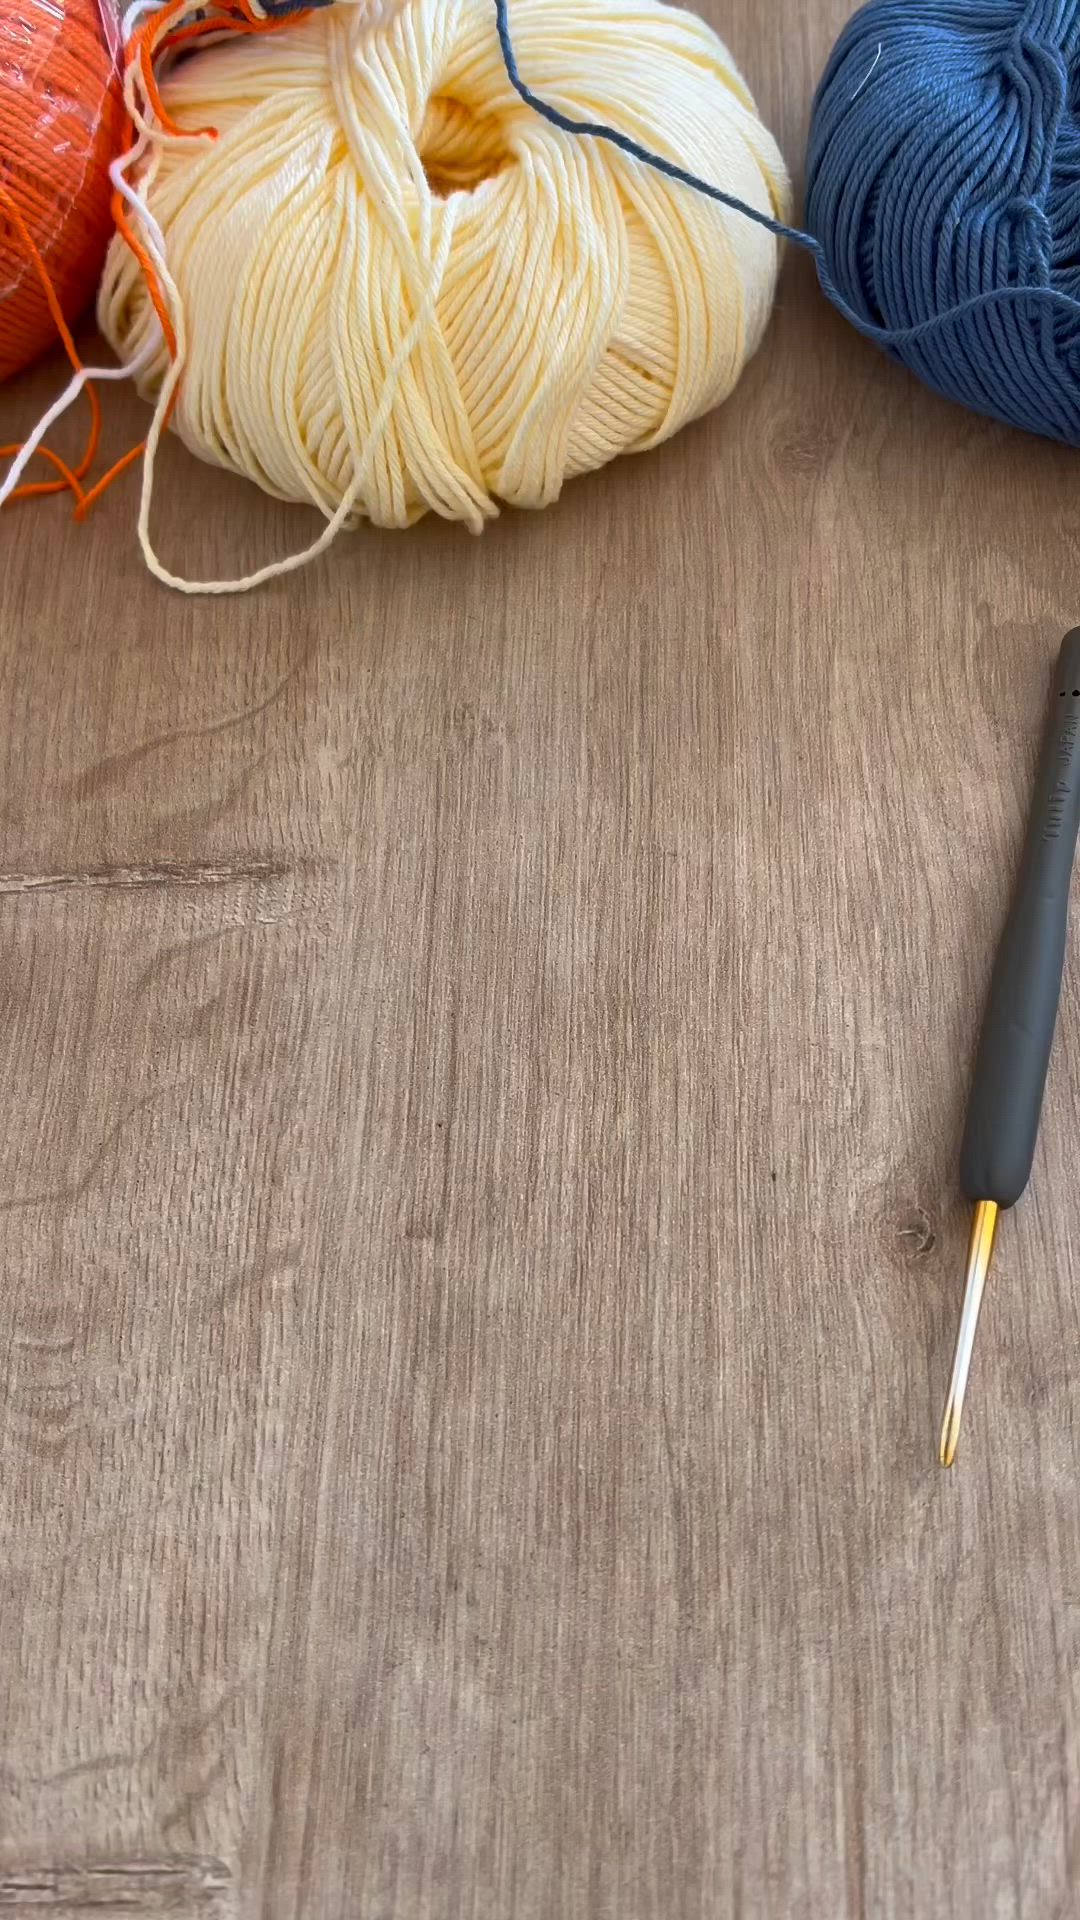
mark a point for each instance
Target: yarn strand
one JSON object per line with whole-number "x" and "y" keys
{"x": 888, "y": 337}
{"x": 598, "y": 130}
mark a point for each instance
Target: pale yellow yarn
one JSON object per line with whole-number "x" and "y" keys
{"x": 397, "y": 288}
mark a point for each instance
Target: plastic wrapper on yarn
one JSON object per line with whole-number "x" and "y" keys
{"x": 943, "y": 190}
{"x": 61, "y": 121}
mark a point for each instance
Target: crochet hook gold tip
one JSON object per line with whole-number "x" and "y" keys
{"x": 1021, "y": 1011}
{"x": 980, "y": 1253}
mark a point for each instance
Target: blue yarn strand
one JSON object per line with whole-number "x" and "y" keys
{"x": 931, "y": 177}
{"x": 597, "y": 130}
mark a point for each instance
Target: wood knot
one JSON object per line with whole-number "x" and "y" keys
{"x": 916, "y": 1232}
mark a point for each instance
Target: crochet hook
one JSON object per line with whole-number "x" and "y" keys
{"x": 1021, "y": 1011}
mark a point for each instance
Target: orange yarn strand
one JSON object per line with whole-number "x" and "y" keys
{"x": 62, "y": 219}
{"x": 71, "y": 477}
{"x": 60, "y": 122}
{"x": 152, "y": 38}
{"x": 87, "y": 500}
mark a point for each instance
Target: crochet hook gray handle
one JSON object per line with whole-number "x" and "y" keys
{"x": 1018, "y": 1026}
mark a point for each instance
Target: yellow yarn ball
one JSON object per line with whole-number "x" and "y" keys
{"x": 401, "y": 288}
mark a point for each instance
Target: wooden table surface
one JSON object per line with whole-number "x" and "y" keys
{"x": 485, "y": 1029}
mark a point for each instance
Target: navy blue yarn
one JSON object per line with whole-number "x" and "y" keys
{"x": 281, "y": 9}
{"x": 943, "y": 195}
{"x": 597, "y": 130}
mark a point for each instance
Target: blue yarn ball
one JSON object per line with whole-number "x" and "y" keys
{"x": 944, "y": 164}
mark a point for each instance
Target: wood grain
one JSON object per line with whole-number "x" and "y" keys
{"x": 485, "y": 1027}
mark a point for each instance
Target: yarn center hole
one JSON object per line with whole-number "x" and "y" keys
{"x": 460, "y": 149}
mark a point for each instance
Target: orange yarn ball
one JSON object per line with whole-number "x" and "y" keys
{"x": 61, "y": 124}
